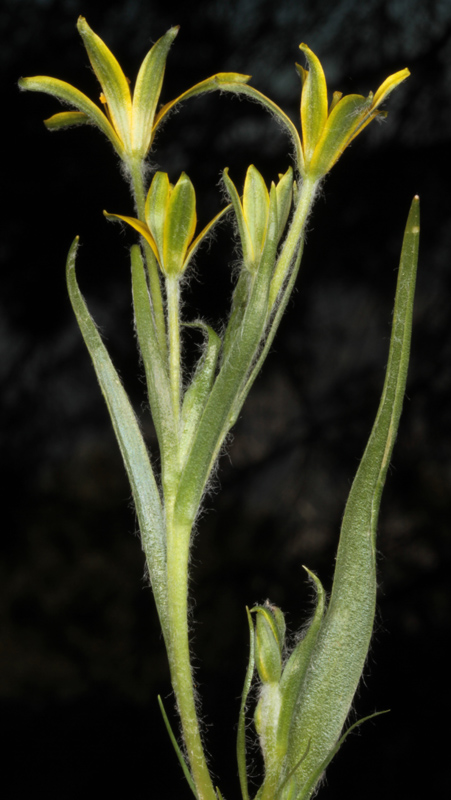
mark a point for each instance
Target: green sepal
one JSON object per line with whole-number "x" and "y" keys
{"x": 147, "y": 92}
{"x": 313, "y": 104}
{"x": 246, "y": 240}
{"x": 197, "y": 393}
{"x": 146, "y": 495}
{"x": 176, "y": 747}
{"x": 241, "y": 734}
{"x": 112, "y": 80}
{"x": 255, "y": 210}
{"x": 340, "y": 651}
{"x": 66, "y": 119}
{"x": 179, "y": 225}
{"x": 156, "y": 208}
{"x": 157, "y": 378}
{"x": 239, "y": 301}
{"x": 203, "y": 234}
{"x": 337, "y": 132}
{"x": 69, "y": 94}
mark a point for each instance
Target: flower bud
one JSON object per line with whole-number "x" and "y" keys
{"x": 269, "y": 641}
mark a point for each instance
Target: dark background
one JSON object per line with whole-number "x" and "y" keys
{"x": 81, "y": 659}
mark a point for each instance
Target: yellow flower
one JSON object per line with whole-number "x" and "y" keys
{"x": 327, "y": 131}
{"x": 170, "y": 214}
{"x": 128, "y": 120}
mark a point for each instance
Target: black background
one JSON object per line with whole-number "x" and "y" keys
{"x": 81, "y": 659}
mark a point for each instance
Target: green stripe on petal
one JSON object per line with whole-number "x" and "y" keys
{"x": 112, "y": 80}
{"x": 256, "y": 209}
{"x": 69, "y": 94}
{"x": 156, "y": 208}
{"x": 147, "y": 91}
{"x": 180, "y": 224}
{"x": 340, "y": 127}
{"x": 313, "y": 103}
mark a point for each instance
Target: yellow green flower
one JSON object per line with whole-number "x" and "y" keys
{"x": 129, "y": 120}
{"x": 170, "y": 222}
{"x": 328, "y": 130}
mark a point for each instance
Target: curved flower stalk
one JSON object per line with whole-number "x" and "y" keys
{"x": 303, "y": 702}
{"x": 327, "y": 129}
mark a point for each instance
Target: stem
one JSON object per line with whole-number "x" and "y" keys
{"x": 173, "y": 297}
{"x": 136, "y": 172}
{"x": 178, "y": 540}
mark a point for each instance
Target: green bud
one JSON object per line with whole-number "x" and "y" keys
{"x": 269, "y": 641}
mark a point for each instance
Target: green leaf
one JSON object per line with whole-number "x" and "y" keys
{"x": 112, "y": 80}
{"x": 295, "y": 669}
{"x": 158, "y": 386}
{"x": 241, "y": 735}
{"x": 179, "y": 753}
{"x": 147, "y": 91}
{"x": 133, "y": 449}
{"x": 341, "y": 648}
{"x": 197, "y": 393}
{"x": 307, "y": 791}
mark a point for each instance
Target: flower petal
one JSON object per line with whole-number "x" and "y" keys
{"x": 388, "y": 85}
{"x": 147, "y": 91}
{"x": 255, "y": 209}
{"x": 313, "y": 103}
{"x": 337, "y": 133}
{"x": 138, "y": 226}
{"x": 179, "y": 225}
{"x": 222, "y": 81}
{"x": 69, "y": 94}
{"x": 246, "y": 240}
{"x": 66, "y": 119}
{"x": 111, "y": 79}
{"x": 156, "y": 208}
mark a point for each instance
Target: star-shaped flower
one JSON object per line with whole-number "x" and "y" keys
{"x": 129, "y": 120}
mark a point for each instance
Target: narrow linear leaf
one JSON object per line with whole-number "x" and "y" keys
{"x": 176, "y": 747}
{"x": 340, "y": 652}
{"x": 241, "y": 735}
{"x": 157, "y": 378}
{"x": 145, "y": 491}
{"x": 307, "y": 791}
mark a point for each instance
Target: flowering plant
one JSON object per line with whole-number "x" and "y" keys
{"x": 304, "y": 696}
